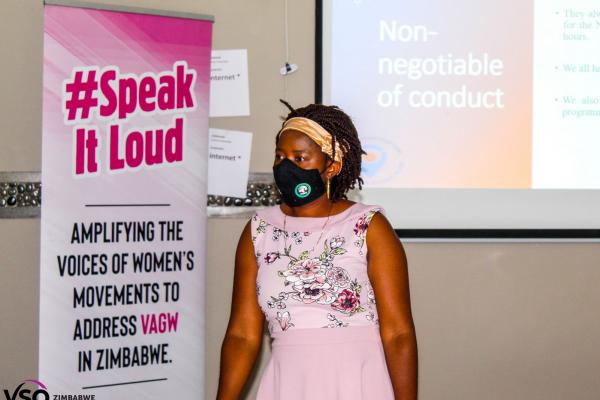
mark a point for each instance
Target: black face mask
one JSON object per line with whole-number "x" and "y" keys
{"x": 297, "y": 186}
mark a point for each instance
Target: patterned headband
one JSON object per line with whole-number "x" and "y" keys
{"x": 317, "y": 133}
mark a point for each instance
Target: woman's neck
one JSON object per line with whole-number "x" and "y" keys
{"x": 321, "y": 207}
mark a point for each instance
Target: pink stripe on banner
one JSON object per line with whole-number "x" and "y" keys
{"x": 103, "y": 35}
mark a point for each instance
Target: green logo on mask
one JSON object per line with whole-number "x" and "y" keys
{"x": 302, "y": 190}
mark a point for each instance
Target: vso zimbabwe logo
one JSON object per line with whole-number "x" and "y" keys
{"x": 40, "y": 393}
{"x": 302, "y": 190}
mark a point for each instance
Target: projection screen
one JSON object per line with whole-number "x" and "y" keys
{"x": 479, "y": 118}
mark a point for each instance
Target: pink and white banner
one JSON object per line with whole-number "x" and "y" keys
{"x": 124, "y": 167}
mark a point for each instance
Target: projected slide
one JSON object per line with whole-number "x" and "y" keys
{"x": 469, "y": 93}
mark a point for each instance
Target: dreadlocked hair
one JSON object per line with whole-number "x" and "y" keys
{"x": 342, "y": 131}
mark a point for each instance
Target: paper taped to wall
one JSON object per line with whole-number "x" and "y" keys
{"x": 228, "y": 162}
{"x": 229, "y": 93}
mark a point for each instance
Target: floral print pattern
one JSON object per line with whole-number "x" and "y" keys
{"x": 331, "y": 281}
{"x": 284, "y": 320}
{"x": 271, "y": 257}
{"x": 279, "y": 301}
{"x": 360, "y": 229}
{"x": 335, "y": 322}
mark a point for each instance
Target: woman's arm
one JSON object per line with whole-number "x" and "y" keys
{"x": 388, "y": 272}
{"x": 243, "y": 338}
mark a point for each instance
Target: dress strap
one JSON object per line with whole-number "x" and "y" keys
{"x": 361, "y": 224}
{"x": 367, "y": 211}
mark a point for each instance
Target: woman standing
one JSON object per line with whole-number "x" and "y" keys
{"x": 328, "y": 274}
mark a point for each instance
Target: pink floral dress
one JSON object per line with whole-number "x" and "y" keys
{"x": 317, "y": 297}
{"x": 328, "y": 288}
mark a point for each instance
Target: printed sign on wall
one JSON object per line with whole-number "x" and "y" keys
{"x": 124, "y": 167}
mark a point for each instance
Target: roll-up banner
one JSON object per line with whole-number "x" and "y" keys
{"x": 124, "y": 167}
